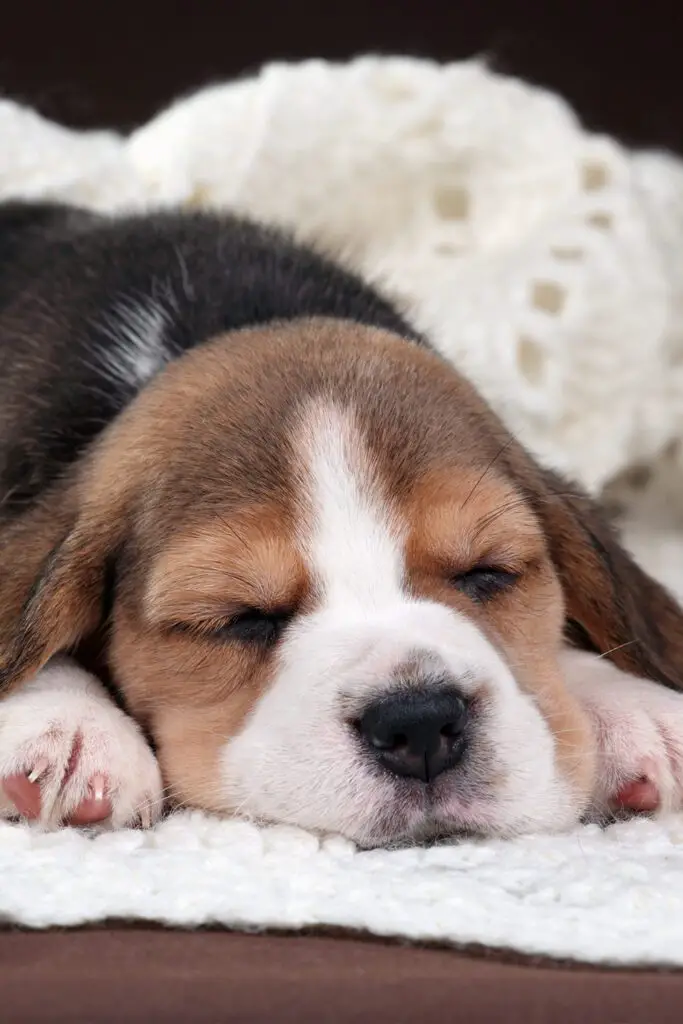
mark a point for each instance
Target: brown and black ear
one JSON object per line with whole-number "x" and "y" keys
{"x": 612, "y": 605}
{"x": 54, "y": 563}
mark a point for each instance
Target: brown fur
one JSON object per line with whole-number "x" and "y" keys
{"x": 187, "y": 502}
{"x": 496, "y": 526}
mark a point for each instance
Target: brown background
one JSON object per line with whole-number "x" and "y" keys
{"x": 90, "y": 64}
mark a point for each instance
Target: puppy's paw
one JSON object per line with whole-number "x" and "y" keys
{"x": 638, "y": 728}
{"x": 68, "y": 755}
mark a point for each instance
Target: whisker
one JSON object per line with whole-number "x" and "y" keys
{"x": 495, "y": 458}
{"x": 619, "y": 647}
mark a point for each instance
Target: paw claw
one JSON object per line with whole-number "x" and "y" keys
{"x": 69, "y": 756}
{"x": 24, "y": 796}
{"x": 38, "y": 770}
{"x": 97, "y": 785}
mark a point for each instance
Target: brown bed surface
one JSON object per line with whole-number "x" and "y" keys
{"x": 120, "y": 974}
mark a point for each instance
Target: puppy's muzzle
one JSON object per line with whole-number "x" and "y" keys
{"x": 417, "y": 734}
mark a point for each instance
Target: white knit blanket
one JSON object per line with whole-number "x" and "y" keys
{"x": 546, "y": 263}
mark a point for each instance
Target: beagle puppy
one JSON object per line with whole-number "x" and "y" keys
{"x": 263, "y": 551}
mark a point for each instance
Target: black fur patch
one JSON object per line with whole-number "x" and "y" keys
{"x": 79, "y": 291}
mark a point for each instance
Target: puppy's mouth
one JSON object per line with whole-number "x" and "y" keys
{"x": 445, "y": 809}
{"x": 427, "y": 830}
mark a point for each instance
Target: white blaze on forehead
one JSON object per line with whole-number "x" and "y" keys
{"x": 350, "y": 537}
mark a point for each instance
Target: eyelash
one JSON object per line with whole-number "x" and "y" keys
{"x": 482, "y": 583}
{"x": 255, "y": 627}
{"x": 252, "y": 627}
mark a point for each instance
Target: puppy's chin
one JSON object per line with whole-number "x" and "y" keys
{"x": 417, "y": 817}
{"x": 415, "y": 820}
{"x": 414, "y": 817}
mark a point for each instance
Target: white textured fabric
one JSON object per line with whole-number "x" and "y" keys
{"x": 542, "y": 259}
{"x": 608, "y": 897}
{"x": 546, "y": 263}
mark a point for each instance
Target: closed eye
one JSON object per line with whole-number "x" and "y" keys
{"x": 484, "y": 582}
{"x": 253, "y": 627}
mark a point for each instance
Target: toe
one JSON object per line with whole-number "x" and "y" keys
{"x": 638, "y": 795}
{"x": 96, "y": 806}
{"x": 24, "y": 794}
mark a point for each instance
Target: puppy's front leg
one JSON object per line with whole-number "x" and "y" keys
{"x": 68, "y": 755}
{"x": 638, "y": 728}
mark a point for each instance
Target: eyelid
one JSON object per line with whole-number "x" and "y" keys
{"x": 201, "y": 622}
{"x": 502, "y": 559}
{"x": 513, "y": 566}
{"x": 206, "y": 627}
{"x": 485, "y": 583}
{"x": 492, "y": 570}
{"x": 492, "y": 567}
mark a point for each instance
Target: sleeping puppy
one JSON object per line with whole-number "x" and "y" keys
{"x": 263, "y": 551}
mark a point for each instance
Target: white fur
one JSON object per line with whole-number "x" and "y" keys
{"x": 352, "y": 541}
{"x": 41, "y": 722}
{"x": 135, "y": 330}
{"x": 638, "y": 729}
{"x": 297, "y": 758}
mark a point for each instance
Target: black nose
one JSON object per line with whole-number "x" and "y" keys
{"x": 416, "y": 735}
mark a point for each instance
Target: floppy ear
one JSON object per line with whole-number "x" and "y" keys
{"x": 612, "y": 605}
{"x": 54, "y": 562}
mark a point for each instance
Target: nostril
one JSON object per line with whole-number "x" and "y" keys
{"x": 395, "y": 742}
{"x": 452, "y": 730}
{"x": 371, "y": 731}
{"x": 418, "y": 734}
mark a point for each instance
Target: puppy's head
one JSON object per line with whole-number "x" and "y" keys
{"x": 337, "y": 590}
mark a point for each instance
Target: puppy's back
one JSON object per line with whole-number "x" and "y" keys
{"x": 93, "y": 307}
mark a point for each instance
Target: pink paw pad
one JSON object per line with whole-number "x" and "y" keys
{"x": 639, "y": 795}
{"x": 24, "y": 792}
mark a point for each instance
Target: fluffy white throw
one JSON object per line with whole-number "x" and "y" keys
{"x": 545, "y": 262}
